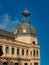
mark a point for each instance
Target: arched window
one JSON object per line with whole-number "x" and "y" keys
{"x": 30, "y": 63}
{"x": 27, "y": 52}
{"x": 18, "y": 51}
{"x": 37, "y": 52}
{"x": 22, "y": 51}
{"x": 31, "y": 53}
{"x": 12, "y": 50}
{"x": 33, "y": 42}
{"x": 7, "y": 50}
{"x": 34, "y": 52}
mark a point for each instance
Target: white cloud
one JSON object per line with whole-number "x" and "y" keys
{"x": 7, "y": 22}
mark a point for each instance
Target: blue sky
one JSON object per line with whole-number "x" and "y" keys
{"x": 11, "y": 16}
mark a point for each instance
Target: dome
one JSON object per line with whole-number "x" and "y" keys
{"x": 26, "y": 28}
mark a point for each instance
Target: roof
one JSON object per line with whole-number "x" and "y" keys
{"x": 6, "y": 33}
{"x": 30, "y": 30}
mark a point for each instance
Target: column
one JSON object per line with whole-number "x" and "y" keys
{"x": 4, "y": 50}
{"x": 10, "y": 51}
{"x": 25, "y": 53}
{"x": 15, "y": 52}
{"x": 20, "y": 52}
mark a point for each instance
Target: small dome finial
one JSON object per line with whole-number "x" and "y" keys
{"x": 26, "y": 13}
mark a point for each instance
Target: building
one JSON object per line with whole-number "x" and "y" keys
{"x": 20, "y": 47}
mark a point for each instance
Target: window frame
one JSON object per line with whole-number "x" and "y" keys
{"x": 18, "y": 51}
{"x": 27, "y": 52}
{"x": 37, "y": 53}
{"x": 33, "y": 42}
{"x": 35, "y": 63}
{"x": 22, "y": 51}
{"x": 34, "y": 52}
{"x": 12, "y": 50}
{"x": 7, "y": 50}
{"x": 31, "y": 53}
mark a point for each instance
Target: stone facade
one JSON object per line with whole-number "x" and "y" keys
{"x": 27, "y": 45}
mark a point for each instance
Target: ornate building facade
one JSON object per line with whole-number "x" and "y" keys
{"x": 20, "y": 47}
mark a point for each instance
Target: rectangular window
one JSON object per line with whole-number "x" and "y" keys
{"x": 31, "y": 53}
{"x": 5, "y": 63}
{"x": 26, "y": 64}
{"x": 35, "y": 63}
{"x": 30, "y": 63}
{"x": 16, "y": 63}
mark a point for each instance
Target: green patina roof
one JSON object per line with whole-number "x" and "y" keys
{"x": 30, "y": 30}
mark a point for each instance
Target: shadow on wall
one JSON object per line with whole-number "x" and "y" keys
{"x": 1, "y": 52}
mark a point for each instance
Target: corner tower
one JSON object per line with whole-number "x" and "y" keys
{"x": 25, "y": 32}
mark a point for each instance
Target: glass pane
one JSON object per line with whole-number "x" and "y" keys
{"x": 4, "y": 63}
{"x": 16, "y": 63}
{"x": 37, "y": 52}
{"x": 34, "y": 52}
{"x": 25, "y": 64}
{"x": 7, "y": 50}
{"x": 35, "y": 63}
{"x": 22, "y": 51}
{"x": 17, "y": 51}
{"x": 31, "y": 53}
{"x": 27, "y": 52}
{"x": 12, "y": 50}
